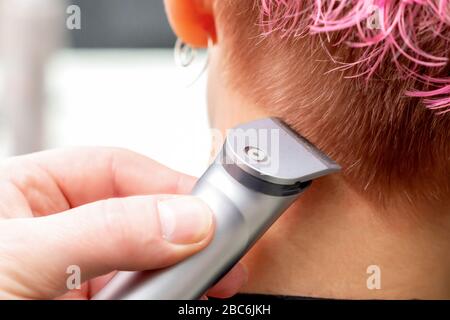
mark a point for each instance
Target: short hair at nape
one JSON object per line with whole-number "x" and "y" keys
{"x": 367, "y": 81}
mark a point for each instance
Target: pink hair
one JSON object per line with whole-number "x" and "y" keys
{"x": 403, "y": 27}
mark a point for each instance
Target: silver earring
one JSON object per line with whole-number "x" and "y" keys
{"x": 185, "y": 55}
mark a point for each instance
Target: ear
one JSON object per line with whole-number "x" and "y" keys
{"x": 192, "y": 21}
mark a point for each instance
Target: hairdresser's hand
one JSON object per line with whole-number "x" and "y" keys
{"x": 101, "y": 210}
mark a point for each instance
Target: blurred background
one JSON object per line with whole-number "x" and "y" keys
{"x": 99, "y": 72}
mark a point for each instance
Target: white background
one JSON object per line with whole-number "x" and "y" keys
{"x": 136, "y": 99}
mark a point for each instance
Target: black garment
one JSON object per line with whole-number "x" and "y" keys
{"x": 242, "y": 297}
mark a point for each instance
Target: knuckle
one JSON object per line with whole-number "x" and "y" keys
{"x": 116, "y": 154}
{"x": 129, "y": 229}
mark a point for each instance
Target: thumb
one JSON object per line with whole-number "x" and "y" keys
{"x": 135, "y": 233}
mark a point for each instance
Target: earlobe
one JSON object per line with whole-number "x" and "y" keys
{"x": 192, "y": 21}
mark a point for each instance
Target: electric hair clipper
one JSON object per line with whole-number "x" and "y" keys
{"x": 261, "y": 170}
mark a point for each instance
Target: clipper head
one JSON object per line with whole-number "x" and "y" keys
{"x": 269, "y": 150}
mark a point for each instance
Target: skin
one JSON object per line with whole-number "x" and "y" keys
{"x": 95, "y": 208}
{"x": 324, "y": 244}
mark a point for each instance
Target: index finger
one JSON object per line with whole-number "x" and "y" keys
{"x": 89, "y": 174}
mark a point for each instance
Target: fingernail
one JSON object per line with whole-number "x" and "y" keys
{"x": 184, "y": 220}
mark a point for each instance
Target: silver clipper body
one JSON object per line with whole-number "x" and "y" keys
{"x": 261, "y": 170}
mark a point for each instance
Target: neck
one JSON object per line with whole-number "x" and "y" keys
{"x": 328, "y": 241}
{"x": 333, "y": 244}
